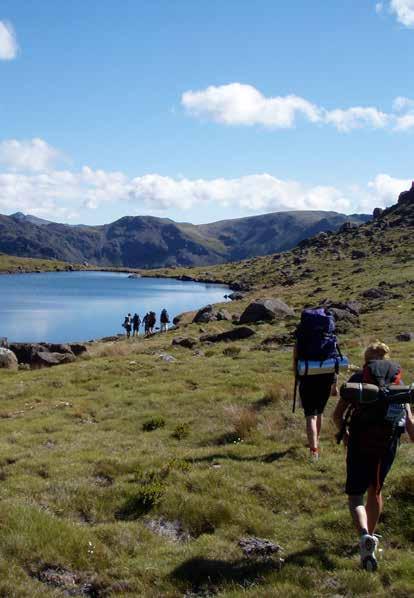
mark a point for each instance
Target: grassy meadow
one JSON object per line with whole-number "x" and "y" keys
{"x": 102, "y": 458}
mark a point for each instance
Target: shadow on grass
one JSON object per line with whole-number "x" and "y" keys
{"x": 200, "y": 571}
{"x": 269, "y": 458}
{"x": 311, "y": 557}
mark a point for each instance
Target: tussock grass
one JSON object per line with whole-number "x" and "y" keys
{"x": 77, "y": 468}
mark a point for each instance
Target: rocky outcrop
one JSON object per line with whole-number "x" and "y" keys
{"x": 405, "y": 337}
{"x": 236, "y": 334}
{"x": 8, "y": 359}
{"x": 205, "y": 314}
{"x": 265, "y": 310}
{"x": 38, "y": 355}
{"x": 185, "y": 341}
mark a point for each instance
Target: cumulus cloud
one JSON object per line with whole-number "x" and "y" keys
{"x": 33, "y": 155}
{"x": 31, "y": 184}
{"x": 239, "y": 104}
{"x": 236, "y": 104}
{"x": 404, "y": 11}
{"x": 8, "y": 42}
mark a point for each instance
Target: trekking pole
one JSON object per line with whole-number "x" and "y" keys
{"x": 295, "y": 390}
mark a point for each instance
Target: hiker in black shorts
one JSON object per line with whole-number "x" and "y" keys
{"x": 316, "y": 346}
{"x": 136, "y": 321}
{"x": 372, "y": 439}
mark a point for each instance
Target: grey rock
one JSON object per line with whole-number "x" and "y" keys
{"x": 258, "y": 547}
{"x": 357, "y": 254}
{"x": 239, "y": 333}
{"x": 405, "y": 337}
{"x": 8, "y": 359}
{"x": 204, "y": 315}
{"x": 185, "y": 341}
{"x": 223, "y": 314}
{"x": 265, "y": 310}
{"x": 236, "y": 296}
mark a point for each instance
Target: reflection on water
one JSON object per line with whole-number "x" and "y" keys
{"x": 70, "y": 306}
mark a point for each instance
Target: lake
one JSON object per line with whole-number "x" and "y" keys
{"x": 76, "y": 306}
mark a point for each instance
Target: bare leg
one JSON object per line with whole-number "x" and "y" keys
{"x": 312, "y": 431}
{"x": 359, "y": 513}
{"x": 373, "y": 508}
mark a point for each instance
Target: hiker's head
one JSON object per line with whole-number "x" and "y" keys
{"x": 376, "y": 350}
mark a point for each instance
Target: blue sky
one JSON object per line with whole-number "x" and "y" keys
{"x": 202, "y": 110}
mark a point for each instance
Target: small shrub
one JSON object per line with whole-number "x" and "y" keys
{"x": 181, "y": 431}
{"x": 142, "y": 501}
{"x": 231, "y": 351}
{"x": 243, "y": 419}
{"x": 157, "y": 421}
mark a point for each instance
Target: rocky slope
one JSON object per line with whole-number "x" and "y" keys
{"x": 145, "y": 241}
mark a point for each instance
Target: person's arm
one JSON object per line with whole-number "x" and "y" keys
{"x": 338, "y": 414}
{"x": 409, "y": 423}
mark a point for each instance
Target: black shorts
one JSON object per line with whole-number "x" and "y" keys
{"x": 365, "y": 470}
{"x": 314, "y": 392}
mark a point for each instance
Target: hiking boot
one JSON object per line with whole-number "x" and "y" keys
{"x": 367, "y": 547}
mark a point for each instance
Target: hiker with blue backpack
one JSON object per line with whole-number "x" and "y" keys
{"x": 372, "y": 413}
{"x": 317, "y": 361}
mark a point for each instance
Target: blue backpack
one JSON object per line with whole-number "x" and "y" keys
{"x": 315, "y": 336}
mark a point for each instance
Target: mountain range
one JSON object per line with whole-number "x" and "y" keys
{"x": 150, "y": 242}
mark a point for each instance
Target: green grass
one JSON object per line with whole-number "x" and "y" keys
{"x": 10, "y": 263}
{"x": 81, "y": 475}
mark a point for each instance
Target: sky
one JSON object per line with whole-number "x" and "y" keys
{"x": 204, "y": 110}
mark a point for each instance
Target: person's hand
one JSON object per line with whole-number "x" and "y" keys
{"x": 346, "y": 438}
{"x": 334, "y": 390}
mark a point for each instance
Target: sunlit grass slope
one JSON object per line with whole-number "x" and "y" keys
{"x": 84, "y": 477}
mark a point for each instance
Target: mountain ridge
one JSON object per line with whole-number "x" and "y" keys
{"x": 151, "y": 242}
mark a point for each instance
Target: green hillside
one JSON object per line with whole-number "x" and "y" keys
{"x": 96, "y": 502}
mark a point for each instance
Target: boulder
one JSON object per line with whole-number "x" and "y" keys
{"x": 78, "y": 348}
{"x": 357, "y": 254}
{"x": 57, "y": 348}
{"x": 377, "y": 213}
{"x": 8, "y": 359}
{"x": 405, "y": 337}
{"x": 265, "y": 309}
{"x": 42, "y": 359}
{"x": 375, "y": 294}
{"x": 177, "y": 319}
{"x": 236, "y": 334}
{"x": 236, "y": 296}
{"x": 204, "y": 315}
{"x": 25, "y": 351}
{"x": 185, "y": 341}
{"x": 223, "y": 314}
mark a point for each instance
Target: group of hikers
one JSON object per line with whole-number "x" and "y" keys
{"x": 372, "y": 413}
{"x": 133, "y": 323}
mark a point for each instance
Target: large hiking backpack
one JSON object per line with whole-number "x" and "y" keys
{"x": 375, "y": 425}
{"x": 315, "y": 336}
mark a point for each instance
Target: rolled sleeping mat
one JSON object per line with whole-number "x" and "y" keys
{"x": 310, "y": 367}
{"x": 368, "y": 393}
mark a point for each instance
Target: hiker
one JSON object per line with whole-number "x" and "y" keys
{"x": 136, "y": 321}
{"x": 316, "y": 352}
{"x": 127, "y": 324}
{"x": 371, "y": 432}
{"x": 165, "y": 320}
{"x": 146, "y": 322}
{"x": 151, "y": 321}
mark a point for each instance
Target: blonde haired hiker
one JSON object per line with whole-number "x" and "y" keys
{"x": 372, "y": 435}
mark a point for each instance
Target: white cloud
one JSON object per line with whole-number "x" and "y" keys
{"x": 53, "y": 193}
{"x": 29, "y": 155}
{"x": 357, "y": 118}
{"x": 238, "y": 104}
{"x": 404, "y": 11}
{"x": 8, "y": 42}
{"x": 379, "y": 7}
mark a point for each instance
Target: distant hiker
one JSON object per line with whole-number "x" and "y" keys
{"x": 146, "y": 322}
{"x": 127, "y": 324}
{"x": 136, "y": 322}
{"x": 152, "y": 318}
{"x": 317, "y": 359}
{"x": 165, "y": 320}
{"x": 371, "y": 431}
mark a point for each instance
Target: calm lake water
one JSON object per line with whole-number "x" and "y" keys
{"x": 76, "y": 306}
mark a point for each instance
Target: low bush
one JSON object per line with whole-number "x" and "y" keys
{"x": 157, "y": 421}
{"x": 243, "y": 420}
{"x": 232, "y": 351}
{"x": 181, "y": 431}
